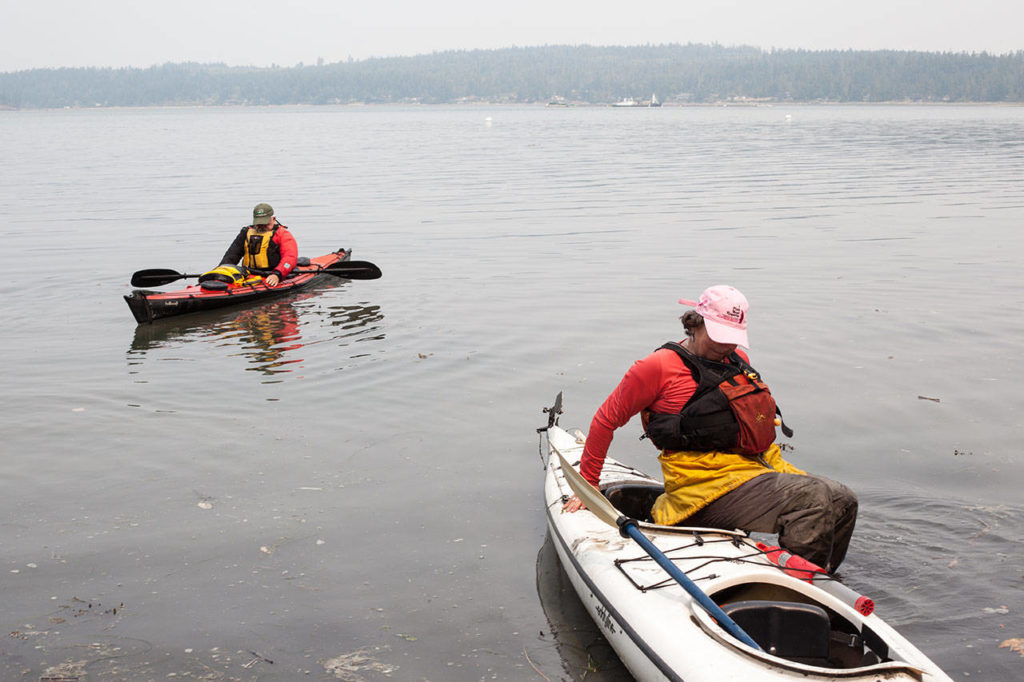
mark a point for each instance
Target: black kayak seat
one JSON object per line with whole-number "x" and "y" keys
{"x": 794, "y": 631}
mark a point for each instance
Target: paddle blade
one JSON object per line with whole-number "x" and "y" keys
{"x": 591, "y": 496}
{"x": 155, "y": 277}
{"x": 354, "y": 269}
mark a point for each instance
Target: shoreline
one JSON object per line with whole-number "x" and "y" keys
{"x": 542, "y": 105}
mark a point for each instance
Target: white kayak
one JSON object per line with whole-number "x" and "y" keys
{"x": 805, "y": 629}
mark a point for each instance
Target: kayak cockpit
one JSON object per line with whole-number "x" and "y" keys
{"x": 794, "y": 626}
{"x": 791, "y": 630}
{"x": 819, "y": 637}
{"x": 632, "y": 498}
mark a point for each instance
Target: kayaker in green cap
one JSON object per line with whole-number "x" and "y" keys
{"x": 266, "y": 247}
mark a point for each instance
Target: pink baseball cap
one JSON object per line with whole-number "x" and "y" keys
{"x": 724, "y": 310}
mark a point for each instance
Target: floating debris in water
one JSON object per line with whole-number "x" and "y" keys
{"x": 934, "y": 400}
{"x": 349, "y": 666}
{"x": 205, "y": 505}
{"x": 1016, "y": 644}
{"x": 70, "y": 671}
{"x": 259, "y": 657}
{"x": 1002, "y": 609}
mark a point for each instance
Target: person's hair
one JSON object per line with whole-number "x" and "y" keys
{"x": 692, "y": 321}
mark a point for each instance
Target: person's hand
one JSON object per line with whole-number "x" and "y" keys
{"x": 272, "y": 280}
{"x": 574, "y": 505}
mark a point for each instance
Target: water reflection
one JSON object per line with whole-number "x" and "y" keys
{"x": 267, "y": 335}
{"x": 584, "y": 651}
{"x": 274, "y": 339}
{"x": 361, "y": 321}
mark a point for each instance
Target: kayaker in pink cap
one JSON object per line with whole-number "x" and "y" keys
{"x": 714, "y": 419}
{"x": 724, "y": 310}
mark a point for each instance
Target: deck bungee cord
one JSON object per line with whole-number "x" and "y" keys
{"x": 780, "y": 560}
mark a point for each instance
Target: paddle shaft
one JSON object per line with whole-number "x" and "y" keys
{"x": 628, "y": 527}
{"x": 604, "y": 510}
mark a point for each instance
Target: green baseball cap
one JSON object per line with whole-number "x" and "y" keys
{"x": 262, "y": 214}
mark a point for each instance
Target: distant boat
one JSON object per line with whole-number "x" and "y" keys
{"x": 630, "y": 102}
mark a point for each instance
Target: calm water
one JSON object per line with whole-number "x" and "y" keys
{"x": 347, "y": 483}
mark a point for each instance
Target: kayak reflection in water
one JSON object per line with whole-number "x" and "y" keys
{"x": 267, "y": 336}
{"x": 266, "y": 247}
{"x": 707, "y": 410}
{"x": 273, "y": 332}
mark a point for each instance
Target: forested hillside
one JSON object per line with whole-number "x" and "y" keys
{"x": 581, "y": 74}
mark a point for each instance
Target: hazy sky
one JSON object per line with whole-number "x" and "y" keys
{"x": 49, "y": 33}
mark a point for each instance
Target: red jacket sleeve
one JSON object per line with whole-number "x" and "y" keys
{"x": 289, "y": 252}
{"x": 637, "y": 390}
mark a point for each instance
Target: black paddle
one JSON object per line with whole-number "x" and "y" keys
{"x": 156, "y": 277}
{"x": 349, "y": 269}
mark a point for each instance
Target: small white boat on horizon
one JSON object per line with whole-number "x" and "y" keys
{"x": 629, "y": 102}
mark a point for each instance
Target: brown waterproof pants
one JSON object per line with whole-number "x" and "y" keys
{"x": 813, "y": 515}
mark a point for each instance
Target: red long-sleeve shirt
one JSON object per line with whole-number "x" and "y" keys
{"x": 659, "y": 382}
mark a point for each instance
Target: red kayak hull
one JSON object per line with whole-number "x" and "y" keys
{"x": 148, "y": 305}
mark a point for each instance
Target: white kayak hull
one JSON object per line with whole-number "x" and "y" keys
{"x": 661, "y": 633}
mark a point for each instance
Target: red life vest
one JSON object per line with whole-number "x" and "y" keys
{"x": 731, "y": 410}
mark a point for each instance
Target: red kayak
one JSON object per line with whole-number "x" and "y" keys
{"x": 149, "y": 305}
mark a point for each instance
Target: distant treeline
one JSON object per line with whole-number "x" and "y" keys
{"x": 582, "y": 74}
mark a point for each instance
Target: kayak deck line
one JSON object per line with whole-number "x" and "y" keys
{"x": 709, "y": 559}
{"x": 804, "y": 630}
